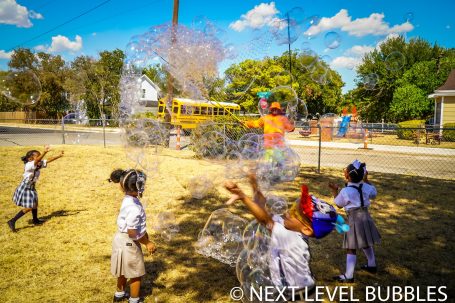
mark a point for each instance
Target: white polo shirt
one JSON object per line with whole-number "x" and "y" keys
{"x": 29, "y": 170}
{"x": 131, "y": 216}
{"x": 350, "y": 198}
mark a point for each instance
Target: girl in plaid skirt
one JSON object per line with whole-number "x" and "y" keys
{"x": 25, "y": 194}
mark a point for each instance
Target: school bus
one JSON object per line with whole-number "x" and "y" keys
{"x": 187, "y": 113}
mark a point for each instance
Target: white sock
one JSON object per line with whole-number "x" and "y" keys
{"x": 350, "y": 266}
{"x": 133, "y": 300}
{"x": 369, "y": 253}
{"x": 119, "y": 294}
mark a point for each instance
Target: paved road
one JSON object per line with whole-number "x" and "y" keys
{"x": 428, "y": 162}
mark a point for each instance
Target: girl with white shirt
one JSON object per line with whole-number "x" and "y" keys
{"x": 127, "y": 260}
{"x": 25, "y": 194}
{"x": 363, "y": 234}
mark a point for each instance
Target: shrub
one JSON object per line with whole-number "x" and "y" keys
{"x": 217, "y": 138}
{"x": 406, "y": 128}
{"x": 449, "y": 135}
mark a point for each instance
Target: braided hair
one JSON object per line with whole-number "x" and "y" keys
{"x": 131, "y": 180}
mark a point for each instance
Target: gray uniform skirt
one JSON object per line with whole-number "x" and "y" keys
{"x": 127, "y": 259}
{"x": 362, "y": 230}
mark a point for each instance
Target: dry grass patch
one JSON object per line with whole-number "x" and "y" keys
{"x": 68, "y": 258}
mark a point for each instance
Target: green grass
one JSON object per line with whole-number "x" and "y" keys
{"x": 68, "y": 258}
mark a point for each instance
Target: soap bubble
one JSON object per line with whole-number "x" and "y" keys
{"x": 395, "y": 61}
{"x": 22, "y": 87}
{"x": 165, "y": 224}
{"x": 200, "y": 186}
{"x": 370, "y": 81}
{"x": 332, "y": 40}
{"x": 276, "y": 205}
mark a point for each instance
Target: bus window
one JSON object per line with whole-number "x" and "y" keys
{"x": 203, "y": 110}
{"x": 197, "y": 110}
{"x": 161, "y": 109}
{"x": 210, "y": 111}
{"x": 176, "y": 109}
{"x": 215, "y": 111}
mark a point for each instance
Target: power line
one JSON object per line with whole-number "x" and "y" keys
{"x": 62, "y": 24}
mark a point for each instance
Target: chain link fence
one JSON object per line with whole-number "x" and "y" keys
{"x": 426, "y": 151}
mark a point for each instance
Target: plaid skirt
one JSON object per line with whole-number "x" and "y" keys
{"x": 362, "y": 230}
{"x": 26, "y": 196}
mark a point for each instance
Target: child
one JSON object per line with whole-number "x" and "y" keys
{"x": 25, "y": 194}
{"x": 363, "y": 234}
{"x": 289, "y": 252}
{"x": 127, "y": 260}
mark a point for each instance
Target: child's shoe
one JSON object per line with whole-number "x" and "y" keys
{"x": 370, "y": 269}
{"x": 121, "y": 299}
{"x": 12, "y": 225}
{"x": 343, "y": 279}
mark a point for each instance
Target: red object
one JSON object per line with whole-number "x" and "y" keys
{"x": 354, "y": 111}
{"x": 306, "y": 204}
{"x": 345, "y": 111}
{"x": 263, "y": 103}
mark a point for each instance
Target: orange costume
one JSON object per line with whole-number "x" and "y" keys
{"x": 275, "y": 125}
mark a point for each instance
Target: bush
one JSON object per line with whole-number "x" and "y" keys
{"x": 406, "y": 128}
{"x": 449, "y": 135}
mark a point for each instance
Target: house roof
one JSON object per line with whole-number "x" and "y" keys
{"x": 151, "y": 83}
{"x": 450, "y": 82}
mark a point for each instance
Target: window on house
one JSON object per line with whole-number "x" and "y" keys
{"x": 143, "y": 93}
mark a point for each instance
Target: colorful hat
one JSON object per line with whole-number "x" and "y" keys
{"x": 275, "y": 105}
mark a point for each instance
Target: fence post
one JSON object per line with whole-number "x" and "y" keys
{"x": 103, "y": 119}
{"x": 382, "y": 126}
{"x": 319, "y": 150}
{"x": 365, "y": 139}
{"x": 63, "y": 130}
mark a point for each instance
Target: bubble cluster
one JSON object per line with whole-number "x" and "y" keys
{"x": 221, "y": 237}
{"x": 22, "y": 86}
{"x": 165, "y": 224}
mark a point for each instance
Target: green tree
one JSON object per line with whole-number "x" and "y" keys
{"x": 410, "y": 102}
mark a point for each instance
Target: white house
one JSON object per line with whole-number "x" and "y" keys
{"x": 150, "y": 93}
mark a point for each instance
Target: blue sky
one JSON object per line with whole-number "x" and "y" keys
{"x": 359, "y": 25}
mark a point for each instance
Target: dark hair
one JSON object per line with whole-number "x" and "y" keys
{"x": 355, "y": 174}
{"x": 131, "y": 180}
{"x": 28, "y": 155}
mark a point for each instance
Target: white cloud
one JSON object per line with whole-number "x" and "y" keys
{"x": 372, "y": 25}
{"x": 359, "y": 50}
{"x": 261, "y": 15}
{"x": 62, "y": 44}
{"x": 13, "y": 13}
{"x": 346, "y": 62}
{"x": 5, "y": 55}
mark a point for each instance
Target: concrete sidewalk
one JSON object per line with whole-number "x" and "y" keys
{"x": 377, "y": 147}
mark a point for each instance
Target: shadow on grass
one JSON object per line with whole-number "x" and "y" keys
{"x": 58, "y": 213}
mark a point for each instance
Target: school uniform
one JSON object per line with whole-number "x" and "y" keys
{"x": 355, "y": 199}
{"x": 25, "y": 194}
{"x": 127, "y": 258}
{"x": 289, "y": 257}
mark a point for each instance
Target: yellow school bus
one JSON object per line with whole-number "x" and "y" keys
{"x": 187, "y": 113}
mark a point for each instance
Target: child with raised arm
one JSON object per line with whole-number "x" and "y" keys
{"x": 25, "y": 195}
{"x": 289, "y": 251}
{"x": 127, "y": 260}
{"x": 362, "y": 234}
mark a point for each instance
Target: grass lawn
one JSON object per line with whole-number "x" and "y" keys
{"x": 68, "y": 258}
